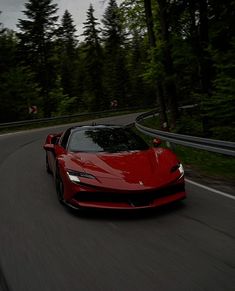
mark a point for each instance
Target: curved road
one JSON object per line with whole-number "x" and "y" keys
{"x": 44, "y": 247}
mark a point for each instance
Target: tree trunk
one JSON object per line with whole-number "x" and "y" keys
{"x": 170, "y": 87}
{"x": 149, "y": 22}
{"x": 152, "y": 43}
{"x": 204, "y": 61}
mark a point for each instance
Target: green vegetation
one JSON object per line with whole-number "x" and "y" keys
{"x": 146, "y": 53}
{"x": 207, "y": 164}
{"x": 198, "y": 162}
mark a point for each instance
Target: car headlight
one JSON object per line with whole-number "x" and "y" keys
{"x": 179, "y": 167}
{"x": 75, "y": 176}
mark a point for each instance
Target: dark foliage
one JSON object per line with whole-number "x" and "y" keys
{"x": 147, "y": 52}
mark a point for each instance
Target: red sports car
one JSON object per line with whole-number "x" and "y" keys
{"x": 105, "y": 166}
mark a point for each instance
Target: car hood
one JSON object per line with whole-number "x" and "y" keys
{"x": 128, "y": 170}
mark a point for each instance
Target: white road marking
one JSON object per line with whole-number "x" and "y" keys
{"x": 210, "y": 189}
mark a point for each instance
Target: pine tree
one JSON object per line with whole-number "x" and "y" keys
{"x": 115, "y": 73}
{"x": 93, "y": 61}
{"x": 113, "y": 32}
{"x": 67, "y": 43}
{"x": 91, "y": 32}
{"x": 1, "y": 26}
{"x": 36, "y": 45}
{"x": 18, "y": 90}
{"x": 67, "y": 33}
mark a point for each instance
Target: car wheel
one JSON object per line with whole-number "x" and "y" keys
{"x": 59, "y": 187}
{"x": 47, "y": 166}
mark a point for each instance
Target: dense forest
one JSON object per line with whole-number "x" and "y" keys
{"x": 142, "y": 53}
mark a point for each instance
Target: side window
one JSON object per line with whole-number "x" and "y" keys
{"x": 64, "y": 138}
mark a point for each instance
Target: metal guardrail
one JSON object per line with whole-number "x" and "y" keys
{"x": 64, "y": 117}
{"x": 60, "y": 118}
{"x": 217, "y": 146}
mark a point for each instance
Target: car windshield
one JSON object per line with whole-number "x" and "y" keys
{"x": 105, "y": 140}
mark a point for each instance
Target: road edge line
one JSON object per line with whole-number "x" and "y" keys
{"x": 210, "y": 189}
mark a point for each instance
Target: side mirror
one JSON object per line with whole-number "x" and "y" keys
{"x": 49, "y": 147}
{"x": 55, "y": 139}
{"x": 157, "y": 142}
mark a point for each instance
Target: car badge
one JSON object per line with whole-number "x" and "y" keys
{"x": 141, "y": 183}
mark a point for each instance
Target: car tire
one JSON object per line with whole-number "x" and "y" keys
{"x": 59, "y": 187}
{"x": 47, "y": 166}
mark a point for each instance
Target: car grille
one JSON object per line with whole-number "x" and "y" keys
{"x": 136, "y": 199}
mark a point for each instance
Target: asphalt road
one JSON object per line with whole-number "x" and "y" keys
{"x": 44, "y": 247}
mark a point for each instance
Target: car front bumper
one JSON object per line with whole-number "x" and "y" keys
{"x": 128, "y": 200}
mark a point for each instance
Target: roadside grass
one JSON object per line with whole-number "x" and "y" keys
{"x": 201, "y": 162}
{"x": 207, "y": 164}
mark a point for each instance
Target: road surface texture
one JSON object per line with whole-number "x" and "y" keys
{"x": 44, "y": 247}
